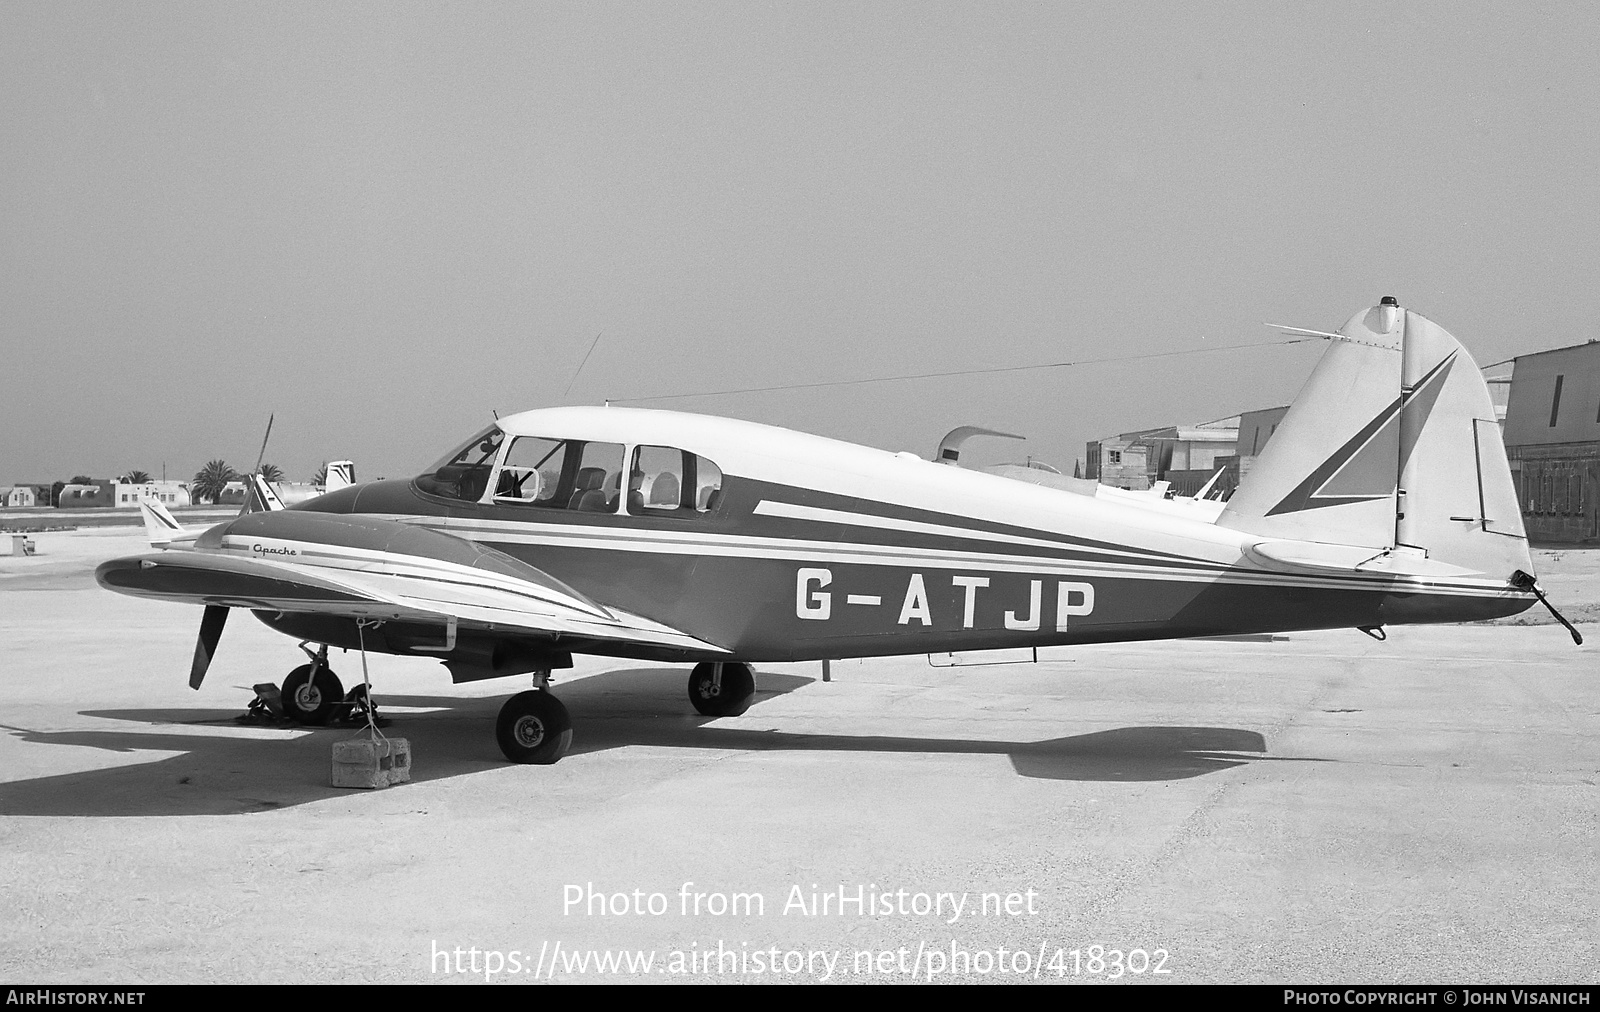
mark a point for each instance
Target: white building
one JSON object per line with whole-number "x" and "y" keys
{"x": 1137, "y": 460}
{"x": 128, "y": 495}
{"x": 291, "y": 492}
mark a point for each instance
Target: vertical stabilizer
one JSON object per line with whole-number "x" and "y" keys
{"x": 162, "y": 529}
{"x": 341, "y": 474}
{"x": 1392, "y": 445}
{"x": 261, "y": 497}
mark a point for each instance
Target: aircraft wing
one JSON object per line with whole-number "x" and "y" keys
{"x": 393, "y": 587}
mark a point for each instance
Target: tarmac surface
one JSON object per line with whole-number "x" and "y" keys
{"x": 1317, "y": 808}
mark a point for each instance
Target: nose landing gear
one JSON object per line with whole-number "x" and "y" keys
{"x": 312, "y": 693}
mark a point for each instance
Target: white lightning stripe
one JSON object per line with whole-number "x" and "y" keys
{"x": 706, "y": 543}
{"x": 922, "y": 558}
{"x": 361, "y": 560}
{"x": 475, "y": 603}
{"x": 717, "y": 539}
{"x": 795, "y": 550}
{"x": 794, "y": 512}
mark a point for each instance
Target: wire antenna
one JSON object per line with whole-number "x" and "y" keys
{"x": 1302, "y": 330}
{"x": 962, "y": 372}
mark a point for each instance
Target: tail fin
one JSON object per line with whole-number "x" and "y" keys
{"x": 341, "y": 474}
{"x": 260, "y": 497}
{"x": 1392, "y": 446}
{"x": 162, "y": 529}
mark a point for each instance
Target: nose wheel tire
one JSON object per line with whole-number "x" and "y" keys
{"x": 533, "y": 727}
{"x": 311, "y": 697}
{"x": 727, "y": 696}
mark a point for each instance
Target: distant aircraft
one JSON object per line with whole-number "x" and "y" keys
{"x": 1383, "y": 498}
{"x": 340, "y": 474}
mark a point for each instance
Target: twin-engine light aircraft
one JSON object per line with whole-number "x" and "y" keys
{"x": 1383, "y": 498}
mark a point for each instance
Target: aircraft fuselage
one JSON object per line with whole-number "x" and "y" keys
{"x": 781, "y": 572}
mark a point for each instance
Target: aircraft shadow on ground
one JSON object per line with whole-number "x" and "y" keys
{"x": 222, "y": 774}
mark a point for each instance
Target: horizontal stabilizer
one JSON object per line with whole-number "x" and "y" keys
{"x": 1203, "y": 510}
{"x": 1048, "y": 479}
{"x": 1291, "y": 556}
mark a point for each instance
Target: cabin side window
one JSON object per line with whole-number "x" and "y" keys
{"x": 532, "y": 472}
{"x": 567, "y": 474}
{"x": 666, "y": 481}
{"x": 597, "y": 487}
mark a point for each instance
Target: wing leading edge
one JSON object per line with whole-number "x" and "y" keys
{"x": 354, "y": 582}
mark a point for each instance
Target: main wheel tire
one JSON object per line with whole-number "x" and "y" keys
{"x": 729, "y": 699}
{"x": 311, "y": 700}
{"x": 533, "y": 727}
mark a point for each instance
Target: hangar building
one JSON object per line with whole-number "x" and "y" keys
{"x": 1185, "y": 455}
{"x": 1552, "y": 436}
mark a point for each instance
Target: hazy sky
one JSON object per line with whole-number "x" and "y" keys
{"x": 383, "y": 221}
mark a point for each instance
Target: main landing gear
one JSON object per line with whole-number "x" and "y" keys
{"x": 722, "y": 688}
{"x": 533, "y": 726}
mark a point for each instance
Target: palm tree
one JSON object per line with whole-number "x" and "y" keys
{"x": 210, "y": 480}
{"x": 321, "y": 477}
{"x": 272, "y": 472}
{"x": 137, "y": 477}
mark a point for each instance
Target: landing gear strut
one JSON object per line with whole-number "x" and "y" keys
{"x": 722, "y": 688}
{"x": 312, "y": 693}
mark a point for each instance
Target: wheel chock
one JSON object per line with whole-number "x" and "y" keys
{"x": 268, "y": 698}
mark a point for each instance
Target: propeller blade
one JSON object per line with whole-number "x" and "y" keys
{"x": 260, "y": 456}
{"x": 210, "y": 632}
{"x": 255, "y": 472}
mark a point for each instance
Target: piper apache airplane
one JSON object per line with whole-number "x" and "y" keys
{"x": 1383, "y": 498}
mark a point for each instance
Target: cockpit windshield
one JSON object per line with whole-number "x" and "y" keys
{"x": 463, "y": 473}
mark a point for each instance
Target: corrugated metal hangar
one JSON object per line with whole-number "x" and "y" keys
{"x": 1552, "y": 436}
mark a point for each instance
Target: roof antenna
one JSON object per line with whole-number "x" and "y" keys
{"x": 585, "y": 362}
